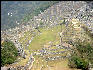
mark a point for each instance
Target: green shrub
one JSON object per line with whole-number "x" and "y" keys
{"x": 41, "y": 23}
{"x": 77, "y": 62}
{"x": 80, "y": 63}
{"x": 9, "y": 53}
{"x": 81, "y": 56}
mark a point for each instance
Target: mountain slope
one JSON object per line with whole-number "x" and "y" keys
{"x": 16, "y": 12}
{"x": 41, "y": 37}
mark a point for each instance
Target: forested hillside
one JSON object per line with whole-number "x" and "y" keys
{"x": 14, "y": 13}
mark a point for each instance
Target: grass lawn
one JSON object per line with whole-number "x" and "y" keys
{"x": 47, "y": 35}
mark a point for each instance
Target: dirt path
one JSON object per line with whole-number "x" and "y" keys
{"x": 33, "y": 59}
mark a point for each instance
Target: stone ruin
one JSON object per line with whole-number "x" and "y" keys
{"x": 51, "y": 17}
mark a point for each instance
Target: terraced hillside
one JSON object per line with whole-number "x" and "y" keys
{"x": 48, "y": 52}
{"x": 47, "y": 43}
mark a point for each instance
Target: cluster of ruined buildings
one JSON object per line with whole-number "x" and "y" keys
{"x": 50, "y": 17}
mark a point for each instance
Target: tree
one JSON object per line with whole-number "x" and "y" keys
{"x": 9, "y": 53}
{"x": 82, "y": 56}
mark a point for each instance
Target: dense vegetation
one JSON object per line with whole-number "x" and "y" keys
{"x": 9, "y": 53}
{"x": 82, "y": 55}
{"x": 21, "y": 11}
